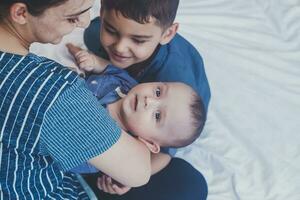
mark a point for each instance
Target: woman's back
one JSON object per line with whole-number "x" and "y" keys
{"x": 28, "y": 87}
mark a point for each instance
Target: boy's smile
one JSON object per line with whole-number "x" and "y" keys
{"x": 126, "y": 41}
{"x": 118, "y": 57}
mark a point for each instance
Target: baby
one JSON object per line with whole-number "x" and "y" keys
{"x": 160, "y": 114}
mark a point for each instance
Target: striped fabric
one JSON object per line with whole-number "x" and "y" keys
{"x": 29, "y": 85}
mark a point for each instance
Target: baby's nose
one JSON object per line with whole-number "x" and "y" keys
{"x": 150, "y": 102}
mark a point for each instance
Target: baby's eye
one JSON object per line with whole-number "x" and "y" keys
{"x": 73, "y": 20}
{"x": 157, "y": 92}
{"x": 157, "y": 116}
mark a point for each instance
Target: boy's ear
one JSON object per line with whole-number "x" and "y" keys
{"x": 152, "y": 146}
{"x": 19, "y": 13}
{"x": 169, "y": 33}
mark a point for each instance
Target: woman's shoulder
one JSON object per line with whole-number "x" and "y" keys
{"x": 29, "y": 58}
{"x": 35, "y": 66}
{"x": 33, "y": 81}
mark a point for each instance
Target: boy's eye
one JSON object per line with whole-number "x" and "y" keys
{"x": 110, "y": 31}
{"x": 157, "y": 116}
{"x": 73, "y": 20}
{"x": 157, "y": 92}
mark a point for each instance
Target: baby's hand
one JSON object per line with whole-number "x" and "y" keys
{"x": 86, "y": 61}
{"x": 108, "y": 185}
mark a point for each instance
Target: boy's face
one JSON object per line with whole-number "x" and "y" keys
{"x": 158, "y": 111}
{"x": 126, "y": 41}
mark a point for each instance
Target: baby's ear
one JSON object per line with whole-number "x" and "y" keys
{"x": 152, "y": 146}
{"x": 169, "y": 33}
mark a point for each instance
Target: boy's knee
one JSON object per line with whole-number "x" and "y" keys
{"x": 189, "y": 179}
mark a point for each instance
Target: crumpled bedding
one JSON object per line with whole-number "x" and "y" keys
{"x": 250, "y": 147}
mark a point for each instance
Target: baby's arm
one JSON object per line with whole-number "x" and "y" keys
{"x": 86, "y": 61}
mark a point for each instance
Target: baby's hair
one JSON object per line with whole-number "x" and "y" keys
{"x": 35, "y": 7}
{"x": 198, "y": 116}
{"x": 164, "y": 11}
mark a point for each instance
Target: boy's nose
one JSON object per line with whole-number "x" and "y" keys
{"x": 121, "y": 46}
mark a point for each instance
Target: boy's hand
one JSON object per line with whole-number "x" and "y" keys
{"x": 108, "y": 185}
{"x": 86, "y": 61}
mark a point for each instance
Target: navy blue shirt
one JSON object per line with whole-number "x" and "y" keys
{"x": 177, "y": 61}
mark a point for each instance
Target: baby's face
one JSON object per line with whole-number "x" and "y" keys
{"x": 158, "y": 111}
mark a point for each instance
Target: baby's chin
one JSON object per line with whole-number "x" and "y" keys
{"x": 125, "y": 127}
{"x": 131, "y": 132}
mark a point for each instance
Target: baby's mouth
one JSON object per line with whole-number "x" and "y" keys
{"x": 135, "y": 102}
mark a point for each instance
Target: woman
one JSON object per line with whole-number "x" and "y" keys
{"x": 49, "y": 121}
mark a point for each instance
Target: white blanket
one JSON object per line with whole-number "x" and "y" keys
{"x": 250, "y": 148}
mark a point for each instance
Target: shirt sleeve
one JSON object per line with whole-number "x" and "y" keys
{"x": 104, "y": 85}
{"x": 77, "y": 128}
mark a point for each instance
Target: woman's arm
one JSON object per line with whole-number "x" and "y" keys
{"x": 77, "y": 128}
{"x": 159, "y": 161}
{"x": 109, "y": 185}
{"x": 127, "y": 161}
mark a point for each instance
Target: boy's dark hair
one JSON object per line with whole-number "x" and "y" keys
{"x": 164, "y": 11}
{"x": 198, "y": 114}
{"x": 35, "y": 7}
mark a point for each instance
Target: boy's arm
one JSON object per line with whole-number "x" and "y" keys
{"x": 127, "y": 161}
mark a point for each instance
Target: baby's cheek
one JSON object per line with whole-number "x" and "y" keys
{"x": 136, "y": 130}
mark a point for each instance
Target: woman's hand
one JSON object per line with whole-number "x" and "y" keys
{"x": 108, "y": 185}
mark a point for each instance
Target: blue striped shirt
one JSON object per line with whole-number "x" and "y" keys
{"x": 49, "y": 123}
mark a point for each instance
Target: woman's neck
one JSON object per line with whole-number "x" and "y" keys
{"x": 114, "y": 110}
{"x": 11, "y": 40}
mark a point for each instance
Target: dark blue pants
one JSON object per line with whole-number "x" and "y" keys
{"x": 178, "y": 181}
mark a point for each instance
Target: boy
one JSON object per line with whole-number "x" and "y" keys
{"x": 140, "y": 36}
{"x": 159, "y": 114}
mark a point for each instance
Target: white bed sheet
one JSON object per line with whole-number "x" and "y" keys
{"x": 250, "y": 148}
